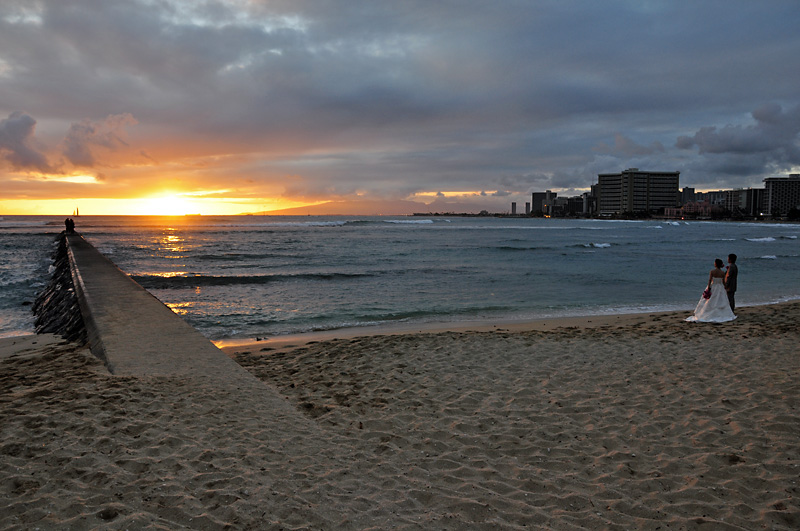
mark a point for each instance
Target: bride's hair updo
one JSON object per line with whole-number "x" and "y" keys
{"x": 718, "y": 263}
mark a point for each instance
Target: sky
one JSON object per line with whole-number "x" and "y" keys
{"x": 231, "y": 106}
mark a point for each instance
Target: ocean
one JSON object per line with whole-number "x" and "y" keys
{"x": 246, "y": 277}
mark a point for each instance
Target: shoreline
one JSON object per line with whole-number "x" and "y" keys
{"x": 485, "y": 325}
{"x": 510, "y": 325}
{"x": 28, "y": 339}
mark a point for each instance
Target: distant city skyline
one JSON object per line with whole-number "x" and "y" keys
{"x": 233, "y": 106}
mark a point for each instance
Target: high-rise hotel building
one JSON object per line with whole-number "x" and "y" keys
{"x": 637, "y": 191}
{"x": 781, "y": 194}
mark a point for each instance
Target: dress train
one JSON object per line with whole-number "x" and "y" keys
{"x": 715, "y": 309}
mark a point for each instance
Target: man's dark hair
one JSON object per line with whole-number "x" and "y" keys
{"x": 732, "y": 258}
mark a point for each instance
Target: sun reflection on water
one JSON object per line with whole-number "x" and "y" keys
{"x": 181, "y": 308}
{"x": 165, "y": 274}
{"x": 171, "y": 244}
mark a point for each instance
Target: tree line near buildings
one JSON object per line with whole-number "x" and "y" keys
{"x": 706, "y": 211}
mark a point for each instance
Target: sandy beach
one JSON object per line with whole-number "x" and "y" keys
{"x": 634, "y": 422}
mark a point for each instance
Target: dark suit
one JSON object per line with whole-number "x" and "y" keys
{"x": 730, "y": 284}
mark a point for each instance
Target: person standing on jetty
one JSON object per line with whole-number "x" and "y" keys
{"x": 70, "y": 225}
{"x": 713, "y": 306}
{"x": 730, "y": 280}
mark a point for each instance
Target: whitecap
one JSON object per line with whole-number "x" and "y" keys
{"x": 769, "y": 257}
{"x": 597, "y": 245}
{"x": 761, "y": 240}
{"x": 409, "y": 221}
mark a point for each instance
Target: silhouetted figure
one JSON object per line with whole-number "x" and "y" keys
{"x": 70, "y": 225}
{"x": 731, "y": 278}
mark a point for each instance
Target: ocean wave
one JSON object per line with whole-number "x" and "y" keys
{"x": 761, "y": 240}
{"x": 455, "y": 315}
{"x": 511, "y": 248}
{"x": 597, "y": 245}
{"x": 409, "y": 221}
{"x": 21, "y": 284}
{"x": 192, "y": 281}
{"x": 274, "y": 224}
{"x": 24, "y": 224}
{"x": 242, "y": 258}
{"x": 769, "y": 257}
{"x": 309, "y": 223}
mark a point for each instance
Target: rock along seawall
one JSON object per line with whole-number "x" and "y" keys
{"x": 56, "y": 309}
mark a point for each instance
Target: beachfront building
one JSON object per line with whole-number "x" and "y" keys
{"x": 744, "y": 202}
{"x": 687, "y": 195}
{"x": 715, "y": 198}
{"x": 575, "y": 205}
{"x": 589, "y": 203}
{"x": 635, "y": 191}
{"x": 691, "y": 210}
{"x": 781, "y": 194}
{"x": 754, "y": 206}
{"x": 543, "y": 202}
{"x": 736, "y": 201}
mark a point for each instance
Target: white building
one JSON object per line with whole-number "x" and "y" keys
{"x": 637, "y": 191}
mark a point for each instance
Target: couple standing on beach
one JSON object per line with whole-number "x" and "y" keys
{"x": 719, "y": 299}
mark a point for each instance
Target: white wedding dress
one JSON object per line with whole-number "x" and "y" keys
{"x": 717, "y": 309}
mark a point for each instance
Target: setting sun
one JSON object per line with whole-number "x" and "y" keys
{"x": 167, "y": 205}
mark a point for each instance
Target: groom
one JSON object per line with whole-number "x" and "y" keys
{"x": 730, "y": 280}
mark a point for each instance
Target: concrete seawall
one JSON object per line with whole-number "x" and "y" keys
{"x": 136, "y": 334}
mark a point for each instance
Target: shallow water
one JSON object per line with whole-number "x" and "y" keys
{"x": 248, "y": 276}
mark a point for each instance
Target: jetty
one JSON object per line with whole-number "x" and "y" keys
{"x": 135, "y": 334}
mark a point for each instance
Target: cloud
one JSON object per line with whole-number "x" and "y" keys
{"x": 18, "y": 143}
{"x": 769, "y": 144}
{"x": 396, "y": 98}
{"x": 85, "y": 138}
{"x": 624, "y": 146}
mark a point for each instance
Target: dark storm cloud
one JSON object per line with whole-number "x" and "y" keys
{"x": 17, "y": 143}
{"x": 740, "y": 155}
{"x": 774, "y": 133}
{"x": 398, "y": 97}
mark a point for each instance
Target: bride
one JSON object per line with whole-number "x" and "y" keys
{"x": 716, "y": 308}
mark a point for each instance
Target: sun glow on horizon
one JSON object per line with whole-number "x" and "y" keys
{"x": 178, "y": 204}
{"x": 168, "y": 205}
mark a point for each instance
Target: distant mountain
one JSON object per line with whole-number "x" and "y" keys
{"x": 369, "y": 207}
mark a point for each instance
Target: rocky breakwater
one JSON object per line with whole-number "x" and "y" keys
{"x": 56, "y": 307}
